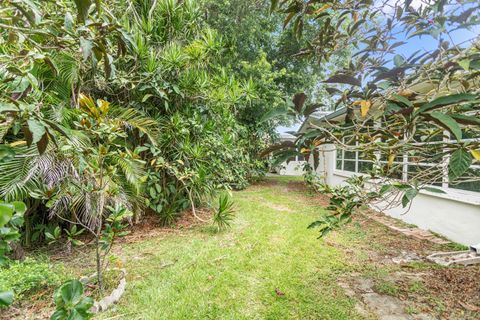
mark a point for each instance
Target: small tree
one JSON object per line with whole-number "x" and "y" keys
{"x": 104, "y": 187}
{"x": 415, "y": 109}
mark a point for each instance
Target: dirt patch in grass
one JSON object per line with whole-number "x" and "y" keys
{"x": 261, "y": 184}
{"x": 445, "y": 293}
{"x": 149, "y": 226}
{"x": 459, "y": 287}
{"x": 279, "y": 207}
{"x": 422, "y": 288}
{"x": 307, "y": 194}
{"x": 390, "y": 242}
{"x": 38, "y": 307}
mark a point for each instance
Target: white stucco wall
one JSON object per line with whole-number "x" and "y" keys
{"x": 292, "y": 168}
{"x": 455, "y": 215}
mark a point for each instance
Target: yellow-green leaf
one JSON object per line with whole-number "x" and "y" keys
{"x": 365, "y": 107}
{"x": 476, "y": 154}
{"x": 391, "y": 158}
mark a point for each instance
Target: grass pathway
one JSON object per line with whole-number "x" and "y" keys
{"x": 267, "y": 266}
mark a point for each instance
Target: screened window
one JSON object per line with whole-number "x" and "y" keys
{"x": 415, "y": 164}
{"x": 353, "y": 161}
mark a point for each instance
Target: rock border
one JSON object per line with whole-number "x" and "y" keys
{"x": 415, "y": 232}
{"x": 107, "y": 301}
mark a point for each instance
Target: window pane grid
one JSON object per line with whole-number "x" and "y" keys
{"x": 406, "y": 168}
{"x": 353, "y": 162}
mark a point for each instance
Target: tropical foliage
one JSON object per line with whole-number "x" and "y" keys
{"x": 418, "y": 109}
{"x": 113, "y": 109}
{"x": 147, "y": 95}
{"x": 224, "y": 214}
{"x": 71, "y": 303}
{"x": 11, "y": 219}
{"x": 110, "y": 109}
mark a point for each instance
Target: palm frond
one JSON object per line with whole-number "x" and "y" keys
{"x": 134, "y": 119}
{"x": 20, "y": 174}
{"x": 132, "y": 170}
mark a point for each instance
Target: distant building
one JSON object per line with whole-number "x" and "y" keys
{"x": 293, "y": 166}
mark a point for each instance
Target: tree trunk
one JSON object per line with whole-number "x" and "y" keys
{"x": 18, "y": 252}
{"x": 99, "y": 263}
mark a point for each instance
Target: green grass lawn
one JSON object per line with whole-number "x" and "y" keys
{"x": 267, "y": 266}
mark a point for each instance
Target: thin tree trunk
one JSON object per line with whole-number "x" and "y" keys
{"x": 193, "y": 206}
{"x": 99, "y": 265}
{"x": 101, "y": 203}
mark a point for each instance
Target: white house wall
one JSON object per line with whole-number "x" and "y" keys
{"x": 455, "y": 217}
{"x": 292, "y": 168}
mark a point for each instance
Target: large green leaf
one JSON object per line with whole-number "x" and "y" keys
{"x": 449, "y": 123}
{"x": 464, "y": 119}
{"x": 433, "y": 190}
{"x": 6, "y": 152}
{"x": 37, "y": 129}
{"x": 86, "y": 46}
{"x": 6, "y": 298}
{"x": 460, "y": 162}
{"x": 68, "y": 22}
{"x": 20, "y": 207}
{"x": 6, "y": 213}
{"x": 446, "y": 100}
{"x": 299, "y": 100}
{"x": 82, "y": 9}
{"x": 84, "y": 305}
{"x": 72, "y": 292}
{"x": 391, "y": 107}
{"x": 398, "y": 60}
{"x": 345, "y": 79}
{"x": 8, "y": 107}
{"x": 59, "y": 315}
{"x": 408, "y": 196}
{"x": 401, "y": 99}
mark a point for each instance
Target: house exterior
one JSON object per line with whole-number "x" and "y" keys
{"x": 293, "y": 166}
{"x": 454, "y": 214}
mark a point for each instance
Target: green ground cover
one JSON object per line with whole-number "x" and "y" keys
{"x": 267, "y": 266}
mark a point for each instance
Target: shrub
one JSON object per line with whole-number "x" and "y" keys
{"x": 28, "y": 276}
{"x": 71, "y": 302}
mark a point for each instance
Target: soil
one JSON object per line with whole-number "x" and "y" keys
{"x": 417, "y": 289}
{"x": 423, "y": 289}
{"x": 39, "y": 306}
{"x": 149, "y": 227}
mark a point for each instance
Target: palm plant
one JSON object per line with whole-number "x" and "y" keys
{"x": 224, "y": 214}
{"x": 65, "y": 176}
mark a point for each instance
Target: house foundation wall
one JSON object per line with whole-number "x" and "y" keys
{"x": 455, "y": 216}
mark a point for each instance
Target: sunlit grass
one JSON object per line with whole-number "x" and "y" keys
{"x": 267, "y": 266}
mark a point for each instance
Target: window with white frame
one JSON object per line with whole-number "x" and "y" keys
{"x": 407, "y": 166}
{"x": 353, "y": 161}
